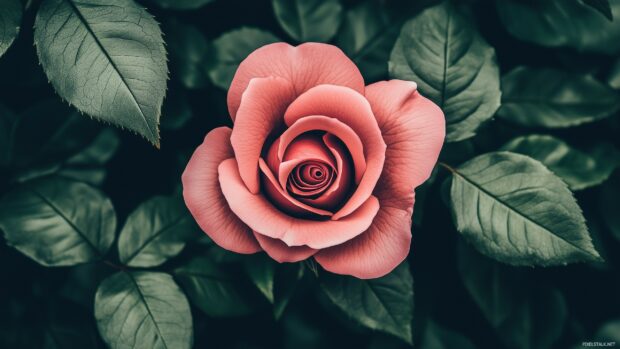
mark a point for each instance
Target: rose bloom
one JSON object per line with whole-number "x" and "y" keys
{"x": 317, "y": 164}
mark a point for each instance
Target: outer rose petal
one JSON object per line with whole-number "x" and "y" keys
{"x": 260, "y": 113}
{"x": 260, "y": 215}
{"x": 414, "y": 129}
{"x": 352, "y": 109}
{"x": 278, "y": 250}
{"x": 305, "y": 66}
{"x": 204, "y": 198}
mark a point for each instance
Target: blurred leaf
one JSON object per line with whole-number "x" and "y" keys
{"x": 601, "y": 6}
{"x": 177, "y": 111}
{"x": 437, "y": 337}
{"x": 614, "y": 76}
{"x": 384, "y": 304}
{"x": 233, "y": 47}
{"x": 261, "y": 270}
{"x": 609, "y": 204}
{"x": 189, "y": 53}
{"x": 58, "y": 222}
{"x": 181, "y": 4}
{"x": 525, "y": 314}
{"x": 513, "y": 209}
{"x": 143, "y": 310}
{"x": 286, "y": 279}
{"x": 452, "y": 65}
{"x": 155, "y": 231}
{"x": 107, "y": 58}
{"x": 10, "y": 20}
{"x": 578, "y": 169}
{"x": 561, "y": 23}
{"x": 7, "y": 123}
{"x": 367, "y": 35}
{"x": 49, "y": 131}
{"x": 211, "y": 289}
{"x": 609, "y": 332}
{"x": 544, "y": 97}
{"x": 309, "y": 20}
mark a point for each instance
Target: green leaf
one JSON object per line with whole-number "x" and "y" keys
{"x": 286, "y": 280}
{"x": 609, "y": 204}
{"x": 10, "y": 20}
{"x": 526, "y": 313}
{"x": 561, "y": 23}
{"x": 181, "y": 4}
{"x": 261, "y": 270}
{"x": 155, "y": 231}
{"x": 233, "y": 47}
{"x": 513, "y": 209}
{"x": 452, "y": 65}
{"x": 143, "y": 310}
{"x": 608, "y": 332}
{"x": 384, "y": 304}
{"x": 189, "y": 52}
{"x": 544, "y": 97}
{"x": 578, "y": 169}
{"x": 601, "y": 6}
{"x": 614, "y": 76}
{"x": 367, "y": 35}
{"x": 213, "y": 290}
{"x": 309, "y": 20}
{"x": 107, "y": 58}
{"x": 58, "y": 222}
{"x": 7, "y": 121}
{"x": 438, "y": 337}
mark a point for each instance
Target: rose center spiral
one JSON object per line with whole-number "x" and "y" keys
{"x": 310, "y": 178}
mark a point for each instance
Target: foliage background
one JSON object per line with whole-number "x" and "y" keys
{"x": 460, "y": 298}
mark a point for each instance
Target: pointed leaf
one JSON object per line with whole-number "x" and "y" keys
{"x": 601, "y": 6}
{"x": 10, "y": 20}
{"x": 286, "y": 280}
{"x": 578, "y": 169}
{"x": 155, "y": 231}
{"x": 58, "y": 222}
{"x": 513, "y": 209}
{"x": 106, "y": 58}
{"x": 452, "y": 65}
{"x": 233, "y": 47}
{"x": 543, "y": 97}
{"x": 181, "y": 4}
{"x": 384, "y": 304}
{"x": 309, "y": 20}
{"x": 261, "y": 270}
{"x": 143, "y": 310}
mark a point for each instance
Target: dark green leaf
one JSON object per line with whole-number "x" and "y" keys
{"x": 261, "y": 270}
{"x": 286, "y": 280}
{"x": 181, "y": 4}
{"x": 10, "y": 20}
{"x": 143, "y": 310}
{"x": 609, "y": 332}
{"x": 578, "y": 169}
{"x": 601, "y": 6}
{"x": 614, "y": 76}
{"x": 233, "y": 47}
{"x": 609, "y": 203}
{"x": 525, "y": 313}
{"x": 107, "y": 58}
{"x": 452, "y": 65}
{"x": 177, "y": 111}
{"x": 58, "y": 222}
{"x": 561, "y": 23}
{"x": 513, "y": 209}
{"x": 189, "y": 53}
{"x": 155, "y": 231}
{"x": 438, "y": 337}
{"x": 7, "y": 121}
{"x": 543, "y": 97}
{"x": 211, "y": 289}
{"x": 384, "y": 304}
{"x": 309, "y": 20}
{"x": 367, "y": 35}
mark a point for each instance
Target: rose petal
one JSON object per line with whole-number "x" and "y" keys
{"x": 278, "y": 250}
{"x": 264, "y": 218}
{"x": 304, "y": 147}
{"x": 414, "y": 129}
{"x": 283, "y": 199}
{"x": 352, "y": 109}
{"x": 305, "y": 66}
{"x": 260, "y": 113}
{"x": 204, "y": 198}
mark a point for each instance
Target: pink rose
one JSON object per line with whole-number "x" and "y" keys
{"x": 316, "y": 164}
